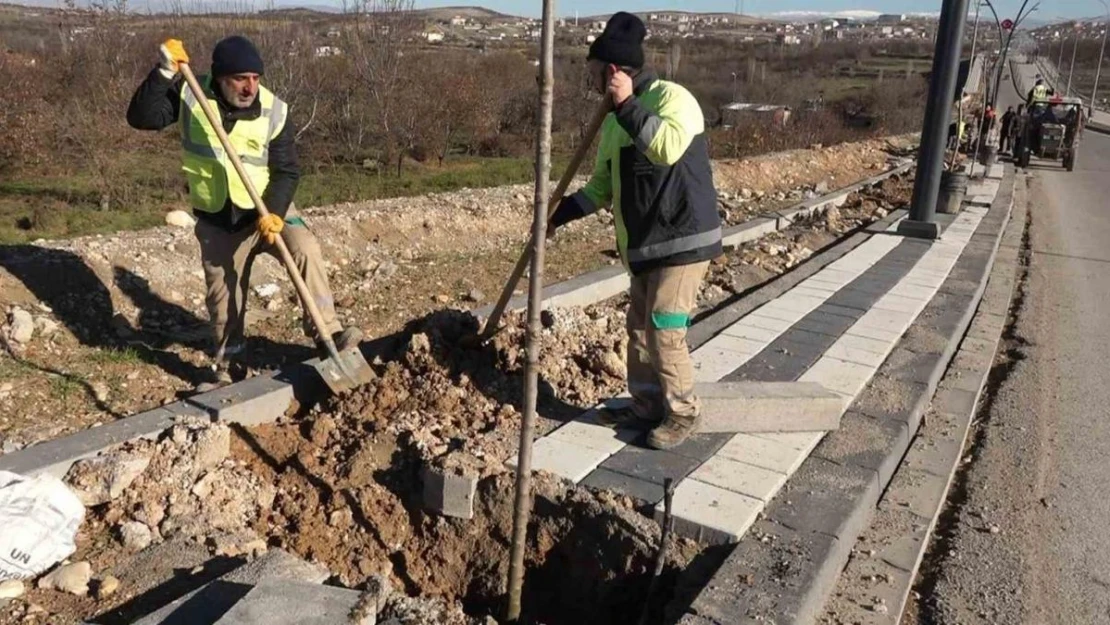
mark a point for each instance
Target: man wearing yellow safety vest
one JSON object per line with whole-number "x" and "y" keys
{"x": 228, "y": 227}
{"x": 1038, "y": 94}
{"x": 653, "y": 169}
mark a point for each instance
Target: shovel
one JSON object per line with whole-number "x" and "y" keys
{"x": 494, "y": 320}
{"x": 341, "y": 371}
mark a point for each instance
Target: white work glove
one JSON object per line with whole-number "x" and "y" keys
{"x": 171, "y": 52}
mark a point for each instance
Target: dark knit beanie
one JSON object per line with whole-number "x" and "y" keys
{"x": 235, "y": 55}
{"x": 621, "y": 43}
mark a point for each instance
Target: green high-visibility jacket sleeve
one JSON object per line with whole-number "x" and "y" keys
{"x": 598, "y": 192}
{"x": 663, "y": 136}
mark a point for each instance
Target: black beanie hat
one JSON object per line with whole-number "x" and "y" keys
{"x": 621, "y": 42}
{"x": 235, "y": 55}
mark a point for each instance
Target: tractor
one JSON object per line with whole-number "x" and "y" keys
{"x": 1050, "y": 129}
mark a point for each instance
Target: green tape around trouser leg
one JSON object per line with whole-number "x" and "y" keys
{"x": 662, "y": 320}
{"x": 295, "y": 221}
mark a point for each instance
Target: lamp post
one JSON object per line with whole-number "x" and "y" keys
{"x": 938, "y": 111}
{"x": 1101, "y": 52}
{"x": 1071, "y": 70}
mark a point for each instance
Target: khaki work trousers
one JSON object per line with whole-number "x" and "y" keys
{"x": 227, "y": 258}
{"x": 660, "y": 371}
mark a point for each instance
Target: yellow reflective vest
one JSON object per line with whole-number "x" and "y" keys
{"x": 212, "y": 178}
{"x": 1040, "y": 93}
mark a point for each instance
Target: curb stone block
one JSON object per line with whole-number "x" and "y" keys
{"x": 257, "y": 400}
{"x": 828, "y": 498}
{"x": 54, "y": 457}
{"x": 767, "y": 407}
{"x": 448, "y": 493}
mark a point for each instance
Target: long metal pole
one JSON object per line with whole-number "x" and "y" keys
{"x": 523, "y": 505}
{"x": 1071, "y": 70}
{"x": 938, "y": 112}
{"x": 971, "y": 66}
{"x": 1060, "y": 59}
{"x": 1101, "y": 52}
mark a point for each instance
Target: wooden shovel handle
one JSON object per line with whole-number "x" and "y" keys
{"x": 233, "y": 156}
{"x": 494, "y": 320}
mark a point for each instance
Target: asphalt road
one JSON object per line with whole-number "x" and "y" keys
{"x": 1031, "y": 540}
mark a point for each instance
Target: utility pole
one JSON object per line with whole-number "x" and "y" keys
{"x": 1101, "y": 52}
{"x": 938, "y": 112}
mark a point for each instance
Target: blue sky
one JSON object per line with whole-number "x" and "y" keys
{"x": 1051, "y": 9}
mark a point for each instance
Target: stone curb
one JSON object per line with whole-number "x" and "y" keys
{"x": 595, "y": 286}
{"x": 785, "y": 567}
{"x": 922, "y": 483}
{"x": 266, "y": 397}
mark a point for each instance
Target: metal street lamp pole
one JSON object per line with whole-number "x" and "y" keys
{"x": 1071, "y": 70}
{"x": 1101, "y": 52}
{"x": 971, "y": 65}
{"x": 938, "y": 112}
{"x": 1060, "y": 57}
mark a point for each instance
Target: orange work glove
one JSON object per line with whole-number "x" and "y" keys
{"x": 270, "y": 227}
{"x": 172, "y": 52}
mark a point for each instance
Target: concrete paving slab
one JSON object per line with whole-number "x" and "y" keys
{"x": 762, "y": 452}
{"x": 778, "y": 324}
{"x": 643, "y": 490}
{"x": 899, "y": 303}
{"x": 824, "y": 323}
{"x": 739, "y": 477}
{"x": 567, "y": 460}
{"x": 799, "y": 304}
{"x": 594, "y": 436}
{"x": 277, "y": 602}
{"x": 650, "y": 465}
{"x": 711, "y": 514}
{"x": 802, "y": 441}
{"x": 841, "y": 376}
{"x": 767, "y": 407}
{"x": 746, "y": 330}
{"x": 859, "y": 350}
{"x": 701, "y": 446}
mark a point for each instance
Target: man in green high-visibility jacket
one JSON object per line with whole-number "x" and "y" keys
{"x": 228, "y": 227}
{"x": 653, "y": 169}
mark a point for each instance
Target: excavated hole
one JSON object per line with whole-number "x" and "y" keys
{"x": 349, "y": 491}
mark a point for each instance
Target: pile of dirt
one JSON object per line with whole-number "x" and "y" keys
{"x": 450, "y": 397}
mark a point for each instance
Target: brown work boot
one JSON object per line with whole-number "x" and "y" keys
{"x": 214, "y": 378}
{"x": 624, "y": 418}
{"x": 674, "y": 430}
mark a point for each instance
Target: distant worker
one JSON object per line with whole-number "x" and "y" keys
{"x": 1005, "y": 142}
{"x": 228, "y": 227}
{"x": 653, "y": 169}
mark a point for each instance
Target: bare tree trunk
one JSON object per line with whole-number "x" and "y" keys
{"x": 523, "y": 504}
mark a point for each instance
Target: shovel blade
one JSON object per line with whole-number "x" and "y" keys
{"x": 346, "y": 372}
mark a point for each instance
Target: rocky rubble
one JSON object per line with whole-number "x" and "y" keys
{"x": 183, "y": 484}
